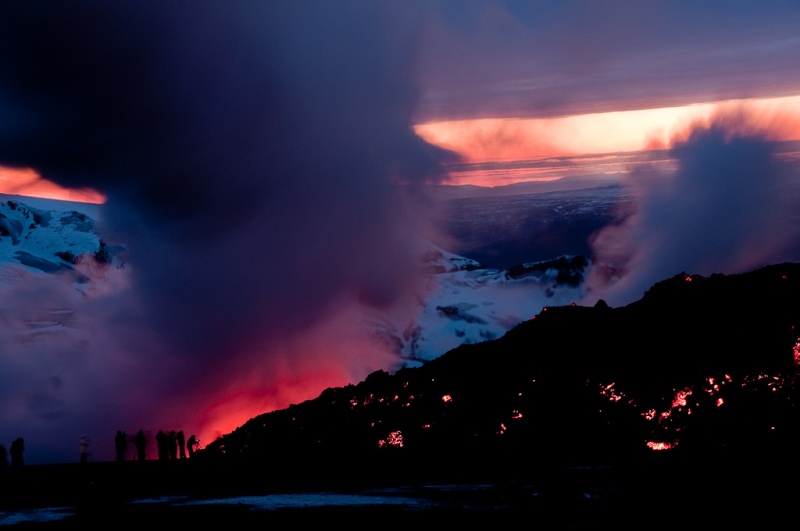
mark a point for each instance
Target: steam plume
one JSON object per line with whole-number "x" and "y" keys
{"x": 262, "y": 174}
{"x": 729, "y": 207}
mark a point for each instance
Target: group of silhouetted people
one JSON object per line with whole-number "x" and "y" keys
{"x": 172, "y": 445}
{"x": 121, "y": 445}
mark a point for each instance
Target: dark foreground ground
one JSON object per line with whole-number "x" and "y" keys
{"x": 663, "y": 491}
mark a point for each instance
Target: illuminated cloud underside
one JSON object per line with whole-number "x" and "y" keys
{"x": 27, "y": 182}
{"x": 510, "y": 139}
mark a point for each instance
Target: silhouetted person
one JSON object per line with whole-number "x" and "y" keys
{"x": 141, "y": 445}
{"x": 83, "y": 444}
{"x": 173, "y": 445}
{"x": 191, "y": 444}
{"x": 16, "y": 451}
{"x": 121, "y": 444}
{"x": 181, "y": 445}
{"x": 162, "y": 443}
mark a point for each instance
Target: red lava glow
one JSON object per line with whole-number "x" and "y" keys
{"x": 447, "y": 398}
{"x": 715, "y": 385}
{"x": 667, "y": 424}
{"x": 608, "y": 391}
{"x": 394, "y": 439}
{"x": 657, "y": 446}
{"x": 233, "y": 409}
{"x": 680, "y": 398}
{"x": 796, "y": 351}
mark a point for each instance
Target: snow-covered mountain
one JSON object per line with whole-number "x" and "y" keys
{"x": 51, "y": 238}
{"x": 463, "y": 302}
{"x": 51, "y": 257}
{"x": 466, "y": 303}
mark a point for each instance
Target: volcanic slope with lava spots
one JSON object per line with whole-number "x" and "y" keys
{"x": 698, "y": 365}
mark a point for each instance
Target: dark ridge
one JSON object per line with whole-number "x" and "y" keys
{"x": 576, "y": 384}
{"x": 569, "y": 269}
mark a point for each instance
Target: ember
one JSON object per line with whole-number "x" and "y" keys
{"x": 657, "y": 446}
{"x": 394, "y": 439}
{"x": 796, "y": 351}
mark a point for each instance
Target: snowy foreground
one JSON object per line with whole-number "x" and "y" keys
{"x": 269, "y": 502}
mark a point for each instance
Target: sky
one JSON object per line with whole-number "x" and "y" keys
{"x": 267, "y": 165}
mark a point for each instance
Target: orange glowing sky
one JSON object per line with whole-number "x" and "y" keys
{"x": 522, "y": 139}
{"x": 525, "y": 139}
{"x": 27, "y": 182}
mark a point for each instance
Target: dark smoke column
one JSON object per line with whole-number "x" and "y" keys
{"x": 258, "y": 160}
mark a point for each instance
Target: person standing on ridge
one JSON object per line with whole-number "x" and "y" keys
{"x": 16, "y": 451}
{"x": 181, "y": 445}
{"x": 191, "y": 444}
{"x": 162, "y": 443}
{"x": 141, "y": 445}
{"x": 84, "y": 448}
{"x": 172, "y": 445}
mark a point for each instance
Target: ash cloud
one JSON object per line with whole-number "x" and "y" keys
{"x": 730, "y": 206}
{"x": 260, "y": 170}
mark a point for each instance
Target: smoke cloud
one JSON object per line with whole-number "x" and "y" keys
{"x": 261, "y": 173}
{"x": 729, "y": 206}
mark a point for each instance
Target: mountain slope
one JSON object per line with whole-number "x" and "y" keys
{"x": 698, "y": 363}
{"x": 467, "y": 303}
{"x": 47, "y": 239}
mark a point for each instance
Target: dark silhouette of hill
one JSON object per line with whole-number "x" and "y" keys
{"x": 677, "y": 409}
{"x": 700, "y": 370}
